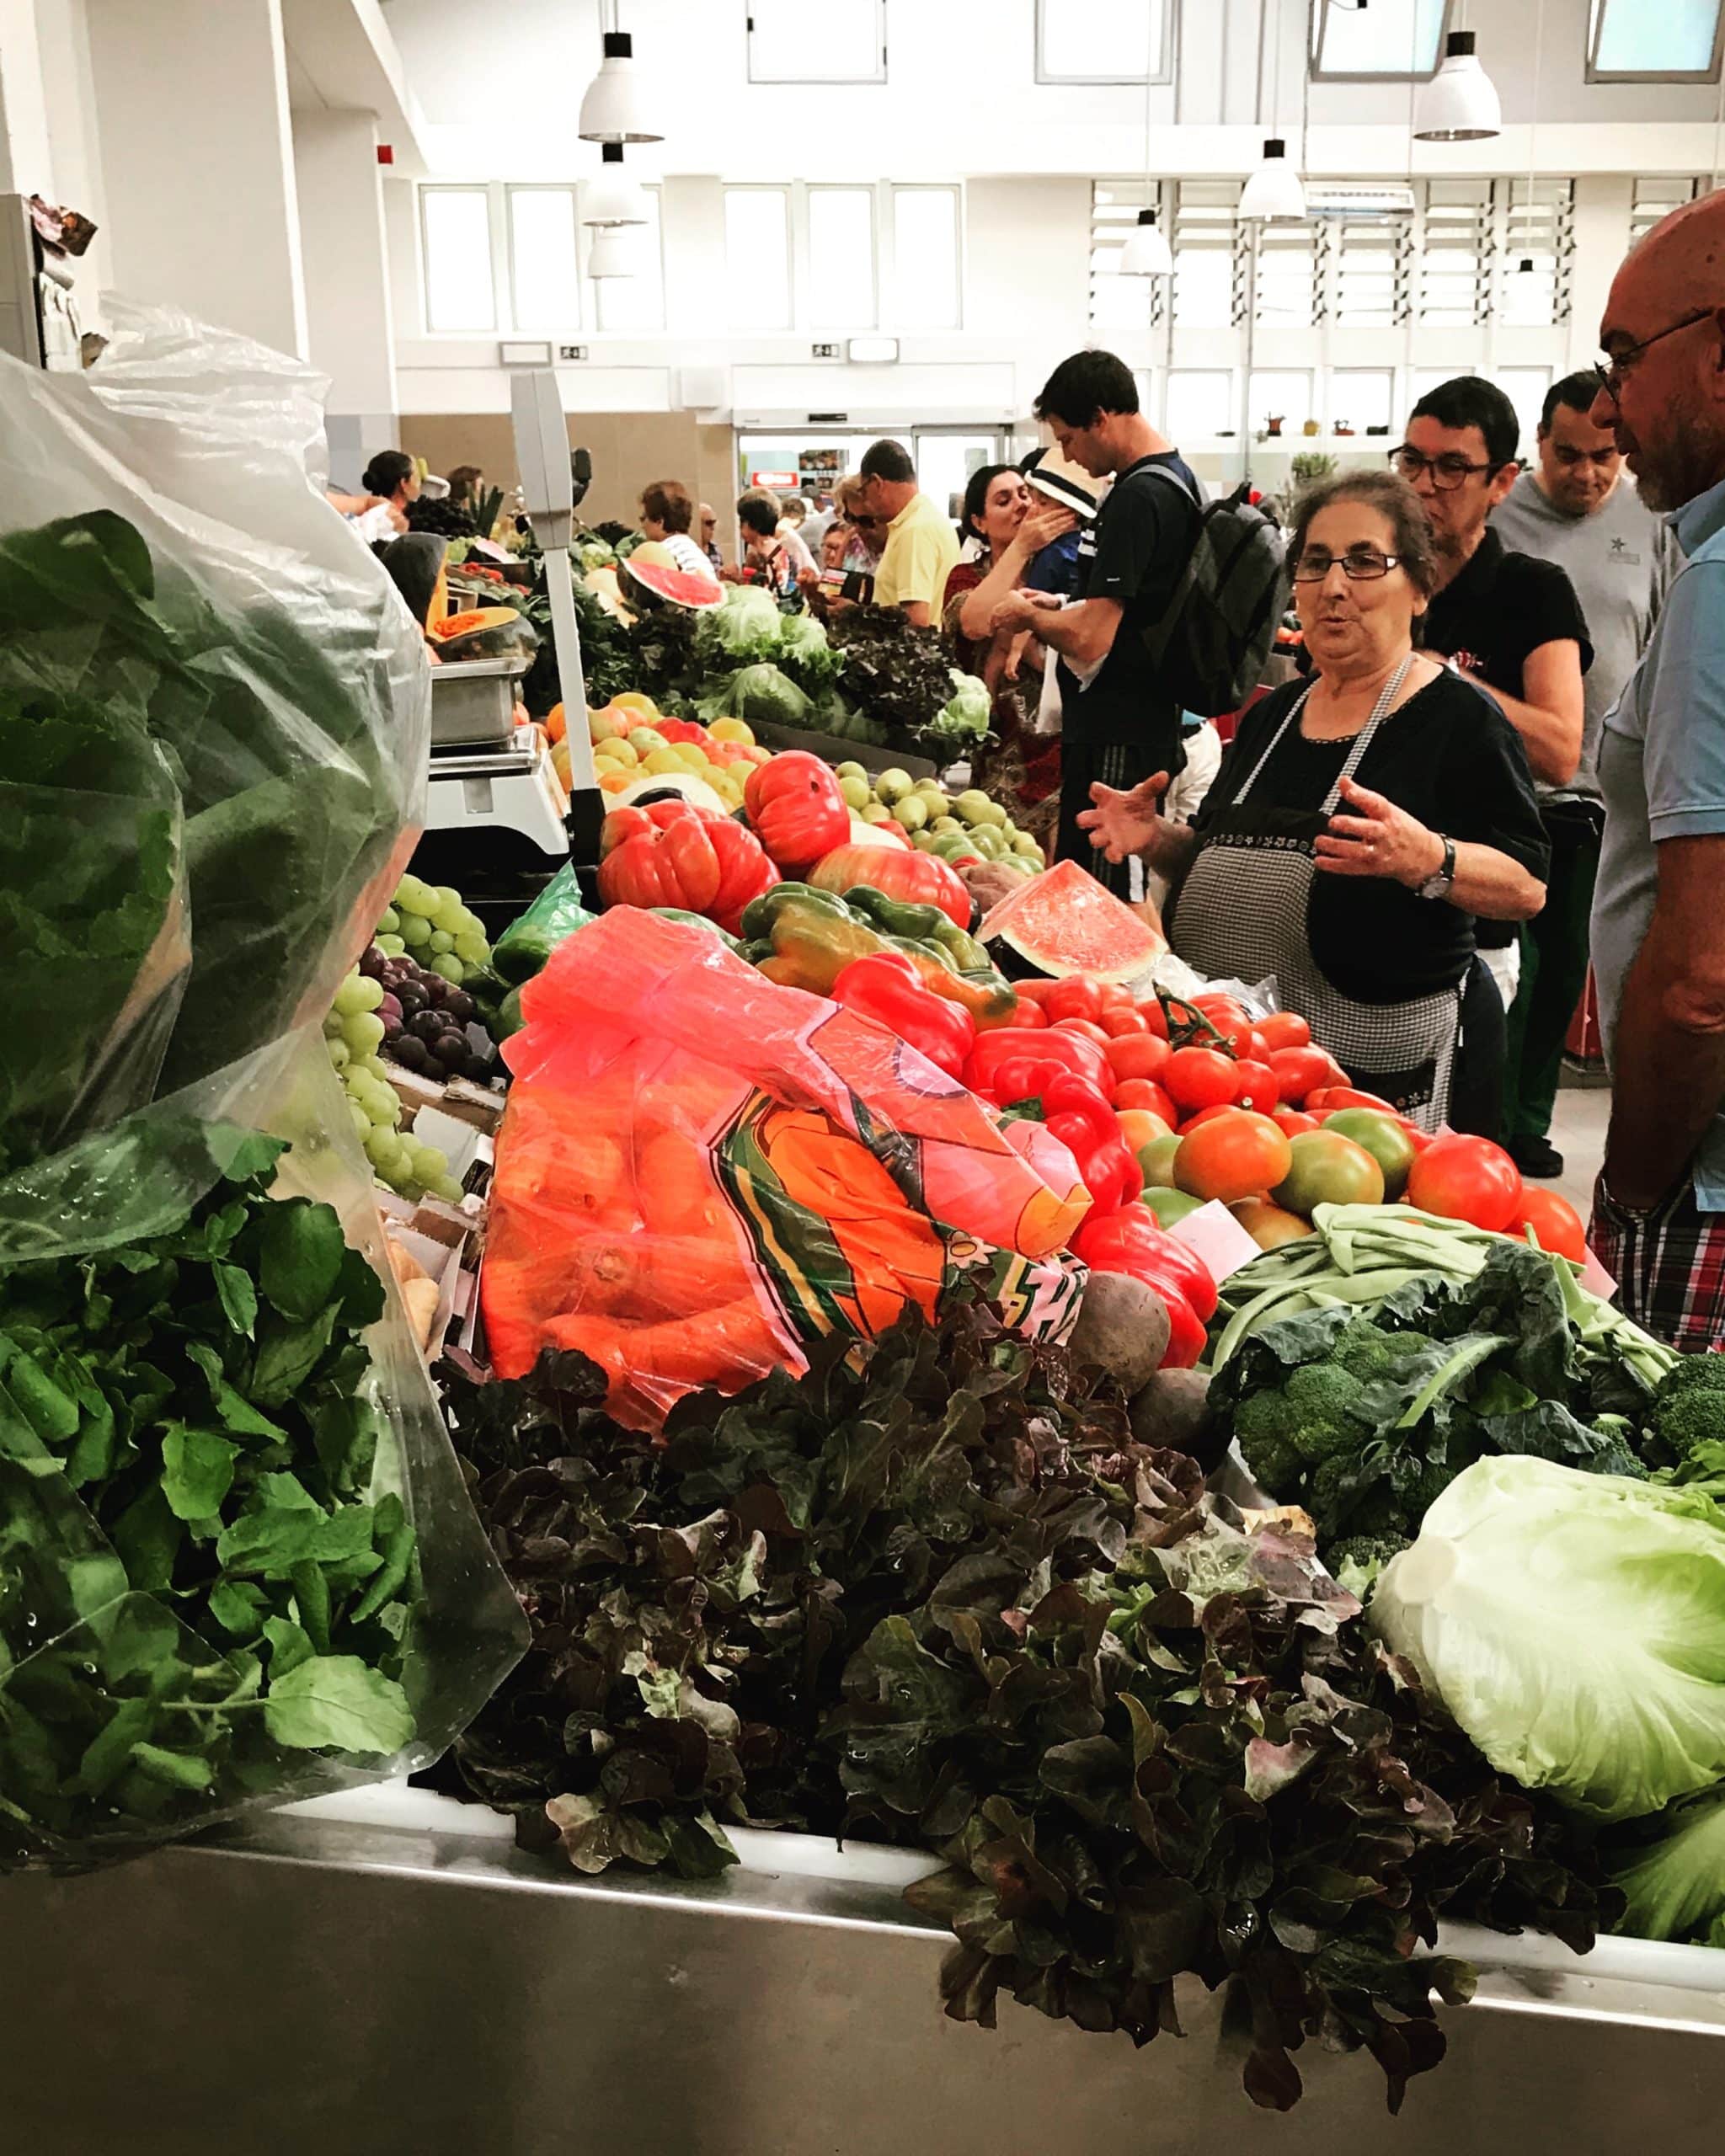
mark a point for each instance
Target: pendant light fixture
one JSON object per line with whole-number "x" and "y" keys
{"x": 1524, "y": 265}
{"x": 1460, "y": 103}
{"x": 1272, "y": 194}
{"x": 618, "y": 106}
{"x": 1146, "y": 252}
{"x": 614, "y": 199}
{"x": 615, "y": 252}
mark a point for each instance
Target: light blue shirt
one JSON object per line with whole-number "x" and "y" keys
{"x": 1661, "y": 770}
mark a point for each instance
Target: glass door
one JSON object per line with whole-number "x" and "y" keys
{"x": 946, "y": 457}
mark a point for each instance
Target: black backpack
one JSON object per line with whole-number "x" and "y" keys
{"x": 1211, "y": 645}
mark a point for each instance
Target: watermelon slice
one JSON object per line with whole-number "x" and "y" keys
{"x": 1062, "y": 921}
{"x": 651, "y": 569}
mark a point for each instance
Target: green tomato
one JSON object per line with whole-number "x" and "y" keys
{"x": 1168, "y": 1205}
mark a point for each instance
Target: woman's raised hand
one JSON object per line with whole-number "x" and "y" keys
{"x": 1121, "y": 824}
{"x": 1378, "y": 839}
{"x": 1041, "y": 526}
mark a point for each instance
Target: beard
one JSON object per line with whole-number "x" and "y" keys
{"x": 1688, "y": 458}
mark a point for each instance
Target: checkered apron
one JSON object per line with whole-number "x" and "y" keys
{"x": 1242, "y": 916}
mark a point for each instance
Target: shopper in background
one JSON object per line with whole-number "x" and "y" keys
{"x": 793, "y": 512}
{"x": 1659, "y": 919}
{"x": 766, "y": 560}
{"x": 1574, "y": 510}
{"x": 709, "y": 537}
{"x": 466, "y": 482}
{"x": 1512, "y": 626}
{"x": 919, "y": 549}
{"x": 393, "y": 479}
{"x": 667, "y": 511}
{"x": 1118, "y": 722}
{"x": 1361, "y": 821}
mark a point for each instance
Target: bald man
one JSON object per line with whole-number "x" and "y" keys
{"x": 1658, "y": 915}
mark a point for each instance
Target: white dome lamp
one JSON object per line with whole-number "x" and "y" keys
{"x": 1459, "y": 103}
{"x": 614, "y": 199}
{"x": 1273, "y": 195}
{"x": 1146, "y": 252}
{"x": 618, "y": 107}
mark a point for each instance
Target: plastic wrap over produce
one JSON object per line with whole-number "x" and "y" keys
{"x": 238, "y": 1563}
{"x": 700, "y": 1171}
{"x": 214, "y": 719}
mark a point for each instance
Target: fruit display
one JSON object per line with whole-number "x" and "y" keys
{"x": 432, "y": 925}
{"x": 966, "y": 826}
{"x": 1063, "y": 922}
{"x": 484, "y": 632}
{"x": 365, "y": 1013}
{"x": 650, "y": 572}
{"x": 673, "y": 853}
{"x": 631, "y": 740}
{"x": 918, "y": 879}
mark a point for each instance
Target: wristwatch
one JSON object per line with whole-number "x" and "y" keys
{"x": 1437, "y": 886}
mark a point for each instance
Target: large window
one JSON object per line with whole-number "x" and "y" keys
{"x": 840, "y": 281}
{"x": 456, "y": 227}
{"x": 1538, "y": 242}
{"x": 544, "y": 262}
{"x": 1285, "y": 286}
{"x": 1281, "y": 393}
{"x": 1368, "y": 259}
{"x": 637, "y": 301}
{"x": 1362, "y": 398}
{"x": 1389, "y": 37}
{"x": 1455, "y": 254}
{"x": 1118, "y": 302}
{"x": 1200, "y": 404}
{"x": 925, "y": 273}
{"x": 1658, "y": 41}
{"x": 757, "y": 257}
{"x": 1210, "y": 258}
{"x": 1101, "y": 40}
{"x": 817, "y": 40}
{"x": 1655, "y": 199}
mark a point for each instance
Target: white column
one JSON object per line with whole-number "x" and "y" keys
{"x": 349, "y": 314}
{"x": 197, "y": 154}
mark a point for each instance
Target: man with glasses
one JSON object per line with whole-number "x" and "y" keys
{"x": 1659, "y": 918}
{"x": 919, "y": 546}
{"x": 1512, "y": 626}
{"x": 1574, "y": 511}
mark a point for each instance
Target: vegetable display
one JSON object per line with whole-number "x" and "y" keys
{"x": 673, "y": 854}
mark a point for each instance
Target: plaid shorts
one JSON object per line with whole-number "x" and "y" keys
{"x": 1669, "y": 1266}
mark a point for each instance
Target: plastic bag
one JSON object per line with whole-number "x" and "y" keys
{"x": 529, "y": 941}
{"x": 699, "y": 1171}
{"x": 236, "y": 1567}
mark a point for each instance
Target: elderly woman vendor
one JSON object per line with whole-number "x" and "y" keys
{"x": 1361, "y": 821}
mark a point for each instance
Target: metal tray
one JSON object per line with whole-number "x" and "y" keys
{"x": 473, "y": 700}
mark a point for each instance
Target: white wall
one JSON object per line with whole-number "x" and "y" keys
{"x": 348, "y": 318}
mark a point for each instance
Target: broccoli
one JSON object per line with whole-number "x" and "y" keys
{"x": 1689, "y": 1408}
{"x": 1379, "y": 1513}
{"x": 1305, "y": 1420}
{"x": 1365, "y": 1351}
{"x": 1260, "y": 1427}
{"x": 1355, "y": 1561}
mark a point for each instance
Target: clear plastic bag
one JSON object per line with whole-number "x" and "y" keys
{"x": 699, "y": 1171}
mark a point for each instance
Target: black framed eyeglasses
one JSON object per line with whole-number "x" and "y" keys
{"x": 1359, "y": 564}
{"x": 1448, "y": 472}
{"x": 1613, "y": 366}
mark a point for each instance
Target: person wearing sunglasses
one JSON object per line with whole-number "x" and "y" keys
{"x": 1575, "y": 509}
{"x": 1659, "y": 916}
{"x": 1361, "y": 821}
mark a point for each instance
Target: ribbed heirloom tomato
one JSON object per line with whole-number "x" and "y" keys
{"x": 1239, "y": 1155}
{"x": 1466, "y": 1179}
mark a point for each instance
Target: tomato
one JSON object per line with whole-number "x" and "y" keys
{"x": 1466, "y": 1179}
{"x": 1384, "y": 1137}
{"x": 1221, "y": 1011}
{"x": 1166, "y": 1205}
{"x": 1138, "y": 1055}
{"x": 1203, "y": 1116}
{"x": 1284, "y": 1029}
{"x": 1140, "y": 1128}
{"x": 1157, "y": 1161}
{"x": 1035, "y": 991}
{"x": 1086, "y": 1026}
{"x": 1302, "y": 1071}
{"x": 1556, "y": 1224}
{"x": 1291, "y": 1121}
{"x": 1115, "y": 995}
{"x": 1146, "y": 1093}
{"x": 1155, "y": 1017}
{"x": 1416, "y": 1138}
{"x": 1269, "y": 1225}
{"x": 1328, "y": 1098}
{"x": 1199, "y": 1078}
{"x": 1327, "y": 1169}
{"x": 1030, "y": 1014}
{"x": 1119, "y": 1021}
{"x": 1075, "y": 998}
{"x": 1255, "y": 1086}
{"x": 1237, "y": 1155}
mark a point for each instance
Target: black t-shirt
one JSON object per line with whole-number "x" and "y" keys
{"x": 1135, "y": 551}
{"x": 1448, "y": 756}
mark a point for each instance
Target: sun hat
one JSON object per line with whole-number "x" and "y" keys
{"x": 1062, "y": 481}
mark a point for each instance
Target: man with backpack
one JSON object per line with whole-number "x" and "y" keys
{"x": 1176, "y": 605}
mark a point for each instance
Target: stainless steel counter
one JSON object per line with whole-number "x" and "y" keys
{"x": 351, "y": 1989}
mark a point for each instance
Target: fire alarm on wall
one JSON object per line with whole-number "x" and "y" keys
{"x": 386, "y": 153}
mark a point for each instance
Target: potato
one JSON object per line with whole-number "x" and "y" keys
{"x": 1123, "y": 1326}
{"x": 1171, "y": 1410}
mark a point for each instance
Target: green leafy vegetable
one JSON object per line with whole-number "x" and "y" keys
{"x": 1676, "y": 1887}
{"x": 898, "y": 674}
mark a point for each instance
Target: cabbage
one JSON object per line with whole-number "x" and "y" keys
{"x": 965, "y": 717}
{"x": 1676, "y": 1887}
{"x": 746, "y": 627}
{"x": 805, "y": 654}
{"x": 758, "y": 692}
{"x": 1574, "y": 1625}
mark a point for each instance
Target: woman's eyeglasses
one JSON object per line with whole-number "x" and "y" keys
{"x": 1448, "y": 472}
{"x": 1359, "y": 564}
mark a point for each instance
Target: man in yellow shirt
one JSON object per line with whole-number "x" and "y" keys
{"x": 921, "y": 545}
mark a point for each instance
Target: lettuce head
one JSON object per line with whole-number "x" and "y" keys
{"x": 1676, "y": 1887}
{"x": 1574, "y": 1626}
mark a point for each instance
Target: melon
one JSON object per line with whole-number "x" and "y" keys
{"x": 651, "y": 572}
{"x": 1062, "y": 921}
{"x": 660, "y": 786}
{"x": 484, "y": 633}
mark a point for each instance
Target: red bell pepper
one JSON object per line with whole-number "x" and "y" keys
{"x": 887, "y": 987}
{"x": 1125, "y": 1242}
{"x": 1076, "y": 1113}
{"x": 1048, "y": 1049}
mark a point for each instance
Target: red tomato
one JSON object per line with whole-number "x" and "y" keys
{"x": 1466, "y": 1179}
{"x": 1328, "y": 1098}
{"x": 1031, "y": 1015}
{"x": 1115, "y": 995}
{"x": 1204, "y": 1116}
{"x": 1292, "y": 1122}
{"x": 1146, "y": 1093}
{"x": 1140, "y": 1128}
{"x": 1416, "y": 1138}
{"x": 1284, "y": 1029}
{"x": 1302, "y": 1071}
{"x": 1155, "y": 1017}
{"x": 1221, "y": 1011}
{"x": 1236, "y": 1155}
{"x": 1087, "y": 1027}
{"x": 1076, "y": 998}
{"x": 1556, "y": 1224}
{"x": 1138, "y": 1055}
{"x": 1199, "y": 1078}
{"x": 1035, "y": 991}
{"x": 1255, "y": 1087}
{"x": 1120, "y": 1022}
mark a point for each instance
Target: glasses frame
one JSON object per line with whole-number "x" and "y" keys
{"x": 1610, "y": 371}
{"x": 1450, "y": 485}
{"x": 1354, "y": 575}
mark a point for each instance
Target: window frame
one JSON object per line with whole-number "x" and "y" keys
{"x": 1161, "y": 76}
{"x": 498, "y": 243}
{"x": 1594, "y": 73}
{"x": 820, "y": 82}
{"x": 803, "y": 193}
{"x": 1320, "y": 21}
{"x": 787, "y": 190}
{"x": 572, "y": 188}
